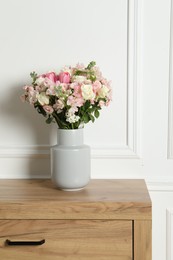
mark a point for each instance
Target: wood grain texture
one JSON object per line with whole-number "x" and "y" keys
{"x": 108, "y": 220}
{"x": 101, "y": 199}
{"x": 142, "y": 240}
{"x": 67, "y": 239}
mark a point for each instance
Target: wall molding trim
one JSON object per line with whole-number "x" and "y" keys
{"x": 30, "y": 151}
{"x": 169, "y": 234}
{"x": 113, "y": 152}
{"x": 43, "y": 151}
{"x": 133, "y": 81}
{"x": 160, "y": 184}
{"x": 170, "y": 92}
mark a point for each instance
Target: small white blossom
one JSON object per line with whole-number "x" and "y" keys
{"x": 72, "y": 118}
{"x": 70, "y": 115}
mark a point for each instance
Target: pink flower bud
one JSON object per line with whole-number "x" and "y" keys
{"x": 64, "y": 77}
{"x": 52, "y": 76}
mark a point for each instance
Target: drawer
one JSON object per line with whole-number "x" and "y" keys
{"x": 67, "y": 239}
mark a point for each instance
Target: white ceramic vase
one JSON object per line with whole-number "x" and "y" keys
{"x": 70, "y": 161}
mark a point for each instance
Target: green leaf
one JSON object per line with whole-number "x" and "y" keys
{"x": 52, "y": 100}
{"x": 92, "y": 118}
{"x": 49, "y": 120}
{"x": 91, "y": 65}
{"x": 59, "y": 120}
{"x": 80, "y": 73}
{"x": 87, "y": 105}
{"x": 40, "y": 109}
{"x": 86, "y": 118}
{"x": 92, "y": 77}
{"x": 96, "y": 113}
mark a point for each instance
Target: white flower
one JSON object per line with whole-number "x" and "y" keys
{"x": 72, "y": 119}
{"x": 43, "y": 99}
{"x": 40, "y": 81}
{"x": 87, "y": 92}
{"x": 70, "y": 115}
{"x": 103, "y": 92}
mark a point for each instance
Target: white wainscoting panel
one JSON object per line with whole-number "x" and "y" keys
{"x": 123, "y": 136}
{"x": 161, "y": 193}
{"x": 169, "y": 234}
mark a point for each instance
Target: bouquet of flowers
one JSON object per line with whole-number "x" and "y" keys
{"x": 70, "y": 98}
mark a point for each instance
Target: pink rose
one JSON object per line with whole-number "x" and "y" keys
{"x": 48, "y": 109}
{"x": 64, "y": 77}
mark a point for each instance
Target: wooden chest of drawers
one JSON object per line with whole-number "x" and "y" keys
{"x": 108, "y": 220}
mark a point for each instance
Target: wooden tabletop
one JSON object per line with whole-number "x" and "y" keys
{"x": 33, "y": 199}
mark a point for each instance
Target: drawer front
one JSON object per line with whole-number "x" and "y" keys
{"x": 66, "y": 239}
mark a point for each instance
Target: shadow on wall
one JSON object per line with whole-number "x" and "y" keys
{"x": 26, "y": 129}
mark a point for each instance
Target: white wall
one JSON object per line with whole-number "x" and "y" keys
{"x": 132, "y": 42}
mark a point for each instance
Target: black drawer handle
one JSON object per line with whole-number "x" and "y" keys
{"x": 25, "y": 243}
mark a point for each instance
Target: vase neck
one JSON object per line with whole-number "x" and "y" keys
{"x": 70, "y": 137}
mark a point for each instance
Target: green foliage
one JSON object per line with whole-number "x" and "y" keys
{"x": 52, "y": 100}
{"x": 88, "y": 112}
{"x": 80, "y": 73}
{"x": 58, "y": 91}
{"x": 49, "y": 120}
{"x": 96, "y": 113}
{"x": 91, "y": 118}
{"x": 33, "y": 76}
{"x": 92, "y": 77}
{"x": 40, "y": 109}
{"x": 91, "y": 65}
{"x": 88, "y": 72}
{"x": 86, "y": 118}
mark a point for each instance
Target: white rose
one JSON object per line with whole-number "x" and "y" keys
{"x": 103, "y": 92}
{"x": 87, "y": 92}
{"x": 43, "y": 99}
